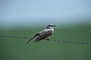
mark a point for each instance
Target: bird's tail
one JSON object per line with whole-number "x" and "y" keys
{"x": 29, "y": 40}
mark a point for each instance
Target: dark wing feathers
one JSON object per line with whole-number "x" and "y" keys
{"x": 41, "y": 35}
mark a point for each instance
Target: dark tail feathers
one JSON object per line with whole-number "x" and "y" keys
{"x": 29, "y": 40}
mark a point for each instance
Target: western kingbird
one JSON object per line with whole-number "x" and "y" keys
{"x": 44, "y": 34}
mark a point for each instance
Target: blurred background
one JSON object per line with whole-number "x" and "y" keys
{"x": 26, "y": 17}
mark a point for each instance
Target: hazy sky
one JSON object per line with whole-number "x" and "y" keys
{"x": 25, "y": 12}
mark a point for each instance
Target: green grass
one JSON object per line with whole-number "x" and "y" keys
{"x": 18, "y": 49}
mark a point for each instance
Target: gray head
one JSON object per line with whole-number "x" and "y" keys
{"x": 51, "y": 26}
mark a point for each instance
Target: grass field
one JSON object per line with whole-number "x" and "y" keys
{"x": 18, "y": 49}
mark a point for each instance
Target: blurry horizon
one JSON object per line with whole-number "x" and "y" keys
{"x": 15, "y": 13}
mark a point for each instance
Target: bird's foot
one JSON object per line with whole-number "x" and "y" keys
{"x": 47, "y": 39}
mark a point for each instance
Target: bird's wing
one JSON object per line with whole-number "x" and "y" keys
{"x": 44, "y": 34}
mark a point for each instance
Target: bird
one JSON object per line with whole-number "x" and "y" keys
{"x": 43, "y": 34}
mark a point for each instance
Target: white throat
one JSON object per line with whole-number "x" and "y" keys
{"x": 51, "y": 28}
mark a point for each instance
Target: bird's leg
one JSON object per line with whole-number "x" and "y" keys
{"x": 47, "y": 39}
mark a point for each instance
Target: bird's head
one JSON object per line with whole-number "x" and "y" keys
{"x": 51, "y": 26}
